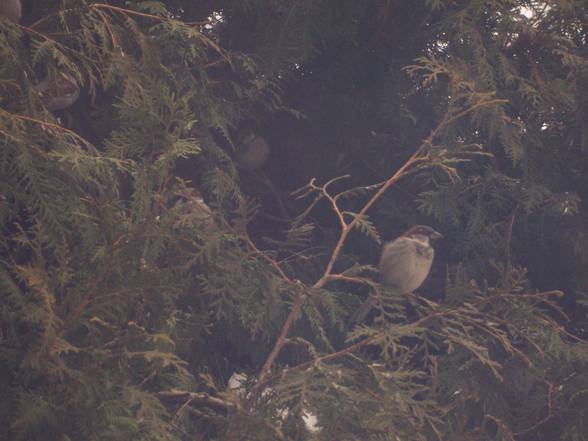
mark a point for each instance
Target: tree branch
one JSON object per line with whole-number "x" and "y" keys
{"x": 346, "y": 228}
{"x": 433, "y": 315}
{"x": 198, "y": 397}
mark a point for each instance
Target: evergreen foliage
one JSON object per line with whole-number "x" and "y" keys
{"x": 153, "y": 290}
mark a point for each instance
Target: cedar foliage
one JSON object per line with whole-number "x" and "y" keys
{"x": 124, "y": 313}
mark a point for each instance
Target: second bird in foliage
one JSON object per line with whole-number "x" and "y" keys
{"x": 405, "y": 263}
{"x": 58, "y": 91}
{"x": 254, "y": 153}
{"x": 11, "y": 9}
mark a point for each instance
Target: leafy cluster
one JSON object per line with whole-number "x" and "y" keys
{"x": 151, "y": 289}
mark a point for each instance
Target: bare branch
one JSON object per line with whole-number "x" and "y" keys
{"x": 416, "y": 158}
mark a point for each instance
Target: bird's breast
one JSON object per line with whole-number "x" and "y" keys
{"x": 407, "y": 265}
{"x": 419, "y": 268}
{"x": 424, "y": 252}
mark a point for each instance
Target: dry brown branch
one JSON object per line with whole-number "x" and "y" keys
{"x": 181, "y": 410}
{"x": 198, "y": 397}
{"x": 125, "y": 11}
{"x": 107, "y": 25}
{"x": 47, "y": 125}
{"x": 502, "y": 426}
{"x": 416, "y": 158}
{"x": 37, "y": 33}
{"x": 332, "y": 200}
{"x": 265, "y": 257}
{"x": 208, "y": 41}
{"x": 358, "y": 280}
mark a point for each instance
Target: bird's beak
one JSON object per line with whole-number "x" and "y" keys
{"x": 436, "y": 235}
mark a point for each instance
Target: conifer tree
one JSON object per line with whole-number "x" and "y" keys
{"x": 158, "y": 283}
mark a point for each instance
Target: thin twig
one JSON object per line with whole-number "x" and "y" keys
{"x": 346, "y": 229}
{"x": 267, "y": 258}
{"x": 181, "y": 410}
{"x": 343, "y": 278}
{"x": 198, "y": 397}
{"x": 124, "y": 11}
{"x": 107, "y": 25}
{"x": 37, "y": 33}
{"x": 331, "y": 199}
{"x": 48, "y": 125}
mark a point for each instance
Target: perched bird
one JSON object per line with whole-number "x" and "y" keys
{"x": 405, "y": 263}
{"x": 254, "y": 153}
{"x": 11, "y": 9}
{"x": 191, "y": 211}
{"x": 59, "y": 91}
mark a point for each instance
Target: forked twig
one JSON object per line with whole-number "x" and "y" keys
{"x": 346, "y": 227}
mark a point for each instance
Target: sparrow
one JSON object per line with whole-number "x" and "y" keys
{"x": 58, "y": 91}
{"x": 11, "y": 9}
{"x": 191, "y": 211}
{"x": 404, "y": 264}
{"x": 254, "y": 153}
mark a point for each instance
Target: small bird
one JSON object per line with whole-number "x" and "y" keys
{"x": 11, "y": 9}
{"x": 254, "y": 153}
{"x": 191, "y": 211}
{"x": 405, "y": 263}
{"x": 58, "y": 91}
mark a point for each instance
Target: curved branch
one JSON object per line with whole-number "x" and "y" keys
{"x": 49, "y": 125}
{"x": 346, "y": 228}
